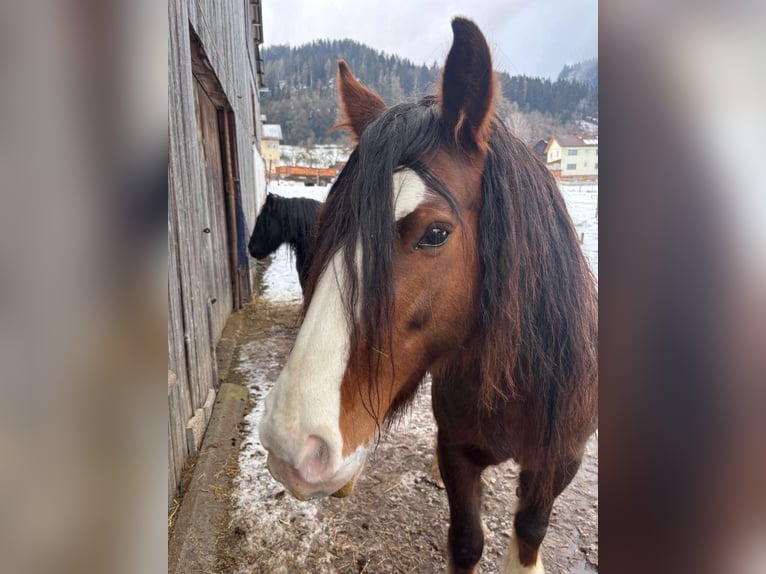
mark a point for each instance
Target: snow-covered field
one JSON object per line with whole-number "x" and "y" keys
{"x": 281, "y": 279}
{"x": 582, "y": 203}
{"x": 317, "y": 156}
{"x": 295, "y": 189}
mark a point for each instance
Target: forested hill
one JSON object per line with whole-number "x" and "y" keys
{"x": 586, "y": 72}
{"x": 302, "y": 98}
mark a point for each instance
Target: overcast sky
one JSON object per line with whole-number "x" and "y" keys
{"x": 532, "y": 37}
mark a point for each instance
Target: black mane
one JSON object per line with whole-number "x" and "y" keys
{"x": 286, "y": 220}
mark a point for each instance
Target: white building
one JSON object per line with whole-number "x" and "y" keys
{"x": 573, "y": 157}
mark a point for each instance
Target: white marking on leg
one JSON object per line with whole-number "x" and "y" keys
{"x": 512, "y": 564}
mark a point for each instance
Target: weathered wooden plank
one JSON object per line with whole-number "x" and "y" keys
{"x": 173, "y": 478}
{"x": 177, "y": 446}
{"x": 180, "y": 409}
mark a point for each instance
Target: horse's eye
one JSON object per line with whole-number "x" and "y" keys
{"x": 435, "y": 237}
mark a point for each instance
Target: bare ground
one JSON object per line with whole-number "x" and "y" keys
{"x": 396, "y": 519}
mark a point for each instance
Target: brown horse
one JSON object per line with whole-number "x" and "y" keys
{"x": 444, "y": 246}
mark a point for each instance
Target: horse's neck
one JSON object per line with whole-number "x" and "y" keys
{"x": 292, "y": 238}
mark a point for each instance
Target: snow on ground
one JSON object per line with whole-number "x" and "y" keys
{"x": 263, "y": 505}
{"x": 317, "y": 156}
{"x": 297, "y": 189}
{"x": 281, "y": 278}
{"x": 582, "y": 203}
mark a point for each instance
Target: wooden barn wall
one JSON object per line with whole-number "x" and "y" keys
{"x": 196, "y": 271}
{"x": 186, "y": 192}
{"x": 235, "y": 69}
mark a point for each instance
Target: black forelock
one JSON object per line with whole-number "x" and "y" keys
{"x": 360, "y": 211}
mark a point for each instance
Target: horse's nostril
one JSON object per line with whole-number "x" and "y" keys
{"x": 315, "y": 460}
{"x": 321, "y": 451}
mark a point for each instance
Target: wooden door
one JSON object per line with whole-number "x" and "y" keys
{"x": 217, "y": 253}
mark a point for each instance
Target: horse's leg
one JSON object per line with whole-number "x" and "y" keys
{"x": 436, "y": 475}
{"x": 462, "y": 479}
{"x": 537, "y": 491}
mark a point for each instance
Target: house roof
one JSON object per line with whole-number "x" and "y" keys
{"x": 272, "y": 132}
{"x": 582, "y": 140}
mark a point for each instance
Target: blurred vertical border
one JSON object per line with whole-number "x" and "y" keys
{"x": 83, "y": 280}
{"x": 682, "y": 287}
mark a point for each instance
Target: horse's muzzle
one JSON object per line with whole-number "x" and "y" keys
{"x": 257, "y": 252}
{"x": 304, "y": 487}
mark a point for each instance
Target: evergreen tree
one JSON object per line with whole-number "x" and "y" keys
{"x": 303, "y": 99}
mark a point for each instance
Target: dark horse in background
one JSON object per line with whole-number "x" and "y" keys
{"x": 444, "y": 246}
{"x": 286, "y": 220}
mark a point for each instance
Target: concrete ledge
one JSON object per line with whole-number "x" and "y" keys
{"x": 192, "y": 547}
{"x": 227, "y": 344}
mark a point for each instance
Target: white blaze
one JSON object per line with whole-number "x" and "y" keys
{"x": 305, "y": 400}
{"x": 409, "y": 192}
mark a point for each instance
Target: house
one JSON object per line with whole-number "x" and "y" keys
{"x": 573, "y": 157}
{"x": 215, "y": 188}
{"x": 272, "y": 135}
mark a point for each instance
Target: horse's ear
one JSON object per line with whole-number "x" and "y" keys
{"x": 359, "y": 104}
{"x": 468, "y": 86}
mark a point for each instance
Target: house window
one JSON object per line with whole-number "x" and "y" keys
{"x": 571, "y": 166}
{"x": 585, "y": 164}
{"x": 596, "y": 167}
{"x": 572, "y": 152}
